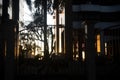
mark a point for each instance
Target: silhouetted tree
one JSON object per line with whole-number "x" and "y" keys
{"x": 40, "y": 19}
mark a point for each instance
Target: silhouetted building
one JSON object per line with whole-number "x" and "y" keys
{"x": 94, "y": 26}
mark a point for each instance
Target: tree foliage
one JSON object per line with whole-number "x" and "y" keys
{"x": 51, "y": 5}
{"x": 37, "y": 27}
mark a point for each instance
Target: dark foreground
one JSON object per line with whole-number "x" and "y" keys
{"x": 64, "y": 70}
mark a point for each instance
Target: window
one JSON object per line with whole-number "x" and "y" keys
{"x": 98, "y": 44}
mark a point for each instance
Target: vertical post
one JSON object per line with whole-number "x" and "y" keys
{"x": 5, "y": 15}
{"x": 15, "y": 12}
{"x": 15, "y": 16}
{"x": 90, "y": 51}
{"x": 117, "y": 50}
{"x": 112, "y": 43}
{"x": 119, "y": 43}
{"x": 2, "y": 51}
{"x": 81, "y": 40}
{"x": 10, "y": 57}
{"x": 2, "y": 36}
{"x": 57, "y": 27}
{"x": 46, "y": 53}
{"x": 9, "y": 40}
{"x": 68, "y": 29}
{"x": 102, "y": 42}
{"x": 7, "y": 43}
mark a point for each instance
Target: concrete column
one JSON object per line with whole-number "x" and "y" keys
{"x": 90, "y": 51}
